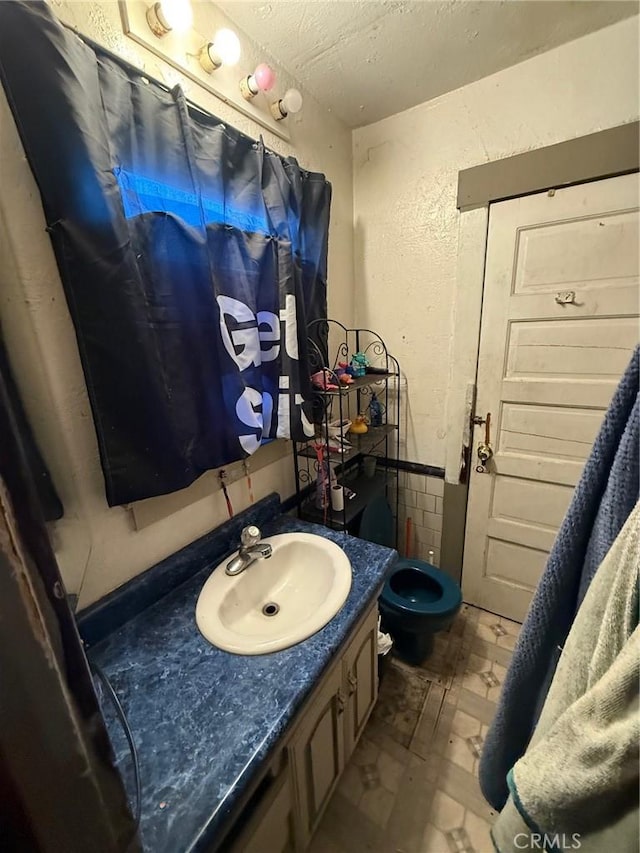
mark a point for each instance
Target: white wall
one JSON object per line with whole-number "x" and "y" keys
{"x": 405, "y": 182}
{"x": 98, "y": 548}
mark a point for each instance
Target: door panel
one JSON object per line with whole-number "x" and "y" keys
{"x": 324, "y": 765}
{"x": 317, "y": 751}
{"x": 361, "y": 678}
{"x": 559, "y": 324}
{"x": 517, "y": 565}
{"x": 520, "y": 533}
{"x": 566, "y": 350}
{"x": 527, "y": 512}
{"x": 271, "y": 828}
{"x": 553, "y": 393}
{"x": 538, "y": 504}
{"x": 551, "y": 432}
{"x": 604, "y": 249}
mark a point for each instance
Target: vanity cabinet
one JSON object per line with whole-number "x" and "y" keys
{"x": 316, "y": 750}
{"x": 331, "y": 725}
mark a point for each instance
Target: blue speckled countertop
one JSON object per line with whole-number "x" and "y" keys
{"x": 204, "y": 720}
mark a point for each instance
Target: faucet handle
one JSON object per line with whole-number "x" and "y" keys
{"x": 250, "y": 536}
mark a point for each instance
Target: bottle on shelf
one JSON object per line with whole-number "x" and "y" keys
{"x": 375, "y": 410}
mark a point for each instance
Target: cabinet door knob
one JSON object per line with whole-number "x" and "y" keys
{"x": 341, "y": 701}
{"x": 353, "y": 683}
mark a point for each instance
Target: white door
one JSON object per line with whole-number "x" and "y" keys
{"x": 559, "y": 324}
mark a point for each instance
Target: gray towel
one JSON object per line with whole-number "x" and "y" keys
{"x": 604, "y": 497}
{"x": 580, "y": 772}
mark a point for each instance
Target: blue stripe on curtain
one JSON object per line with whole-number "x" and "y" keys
{"x": 142, "y": 194}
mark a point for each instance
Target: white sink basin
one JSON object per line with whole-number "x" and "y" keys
{"x": 276, "y": 602}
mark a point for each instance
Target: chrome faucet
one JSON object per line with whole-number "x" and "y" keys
{"x": 251, "y": 549}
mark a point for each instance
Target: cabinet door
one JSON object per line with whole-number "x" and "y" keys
{"x": 317, "y": 750}
{"x": 272, "y": 828}
{"x": 361, "y": 679}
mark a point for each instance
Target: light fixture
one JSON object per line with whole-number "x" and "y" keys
{"x": 291, "y": 102}
{"x": 262, "y": 80}
{"x": 170, "y": 15}
{"x": 223, "y": 50}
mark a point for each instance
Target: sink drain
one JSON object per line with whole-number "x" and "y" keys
{"x": 271, "y": 608}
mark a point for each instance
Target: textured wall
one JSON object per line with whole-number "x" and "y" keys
{"x": 369, "y": 60}
{"x": 98, "y": 548}
{"x": 405, "y": 180}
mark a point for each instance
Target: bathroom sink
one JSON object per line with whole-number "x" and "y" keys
{"x": 277, "y": 602}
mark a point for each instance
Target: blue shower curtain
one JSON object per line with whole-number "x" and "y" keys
{"x": 192, "y": 258}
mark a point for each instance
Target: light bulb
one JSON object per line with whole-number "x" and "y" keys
{"x": 223, "y": 50}
{"x": 170, "y": 16}
{"x": 265, "y": 77}
{"x": 226, "y": 45}
{"x": 178, "y": 14}
{"x": 292, "y": 101}
{"x": 262, "y": 79}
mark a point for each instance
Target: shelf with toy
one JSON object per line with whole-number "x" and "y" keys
{"x": 358, "y": 382}
{"x": 358, "y": 444}
{"x": 348, "y": 426}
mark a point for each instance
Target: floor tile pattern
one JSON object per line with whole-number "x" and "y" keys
{"x": 411, "y": 785}
{"x": 400, "y": 703}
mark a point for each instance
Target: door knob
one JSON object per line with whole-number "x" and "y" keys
{"x": 484, "y": 454}
{"x": 485, "y": 451}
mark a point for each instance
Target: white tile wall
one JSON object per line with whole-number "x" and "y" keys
{"x": 420, "y": 499}
{"x": 426, "y": 502}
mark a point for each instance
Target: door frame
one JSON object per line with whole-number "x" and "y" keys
{"x": 605, "y": 154}
{"x": 73, "y": 794}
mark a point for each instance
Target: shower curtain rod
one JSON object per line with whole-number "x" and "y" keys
{"x": 131, "y": 67}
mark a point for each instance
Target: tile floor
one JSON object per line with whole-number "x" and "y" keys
{"x": 411, "y": 786}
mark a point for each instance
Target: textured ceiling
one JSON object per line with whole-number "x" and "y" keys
{"x": 368, "y": 60}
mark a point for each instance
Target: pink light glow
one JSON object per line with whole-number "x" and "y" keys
{"x": 265, "y": 77}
